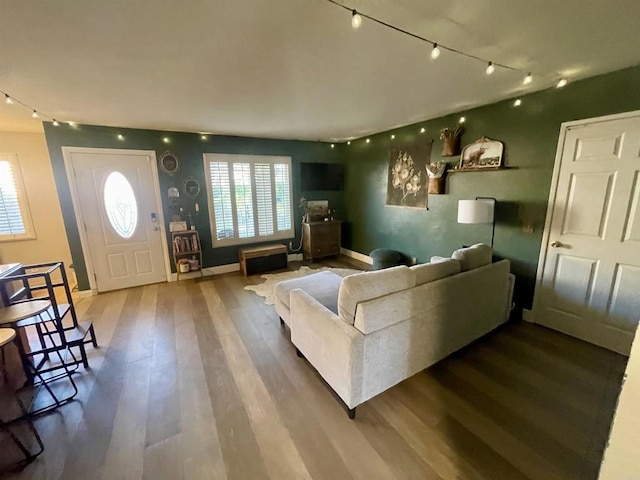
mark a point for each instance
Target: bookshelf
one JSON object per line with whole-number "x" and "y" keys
{"x": 186, "y": 246}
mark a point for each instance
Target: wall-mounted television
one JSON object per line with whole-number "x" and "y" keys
{"x": 320, "y": 176}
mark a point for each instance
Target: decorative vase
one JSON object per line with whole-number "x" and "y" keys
{"x": 436, "y": 185}
{"x": 451, "y": 146}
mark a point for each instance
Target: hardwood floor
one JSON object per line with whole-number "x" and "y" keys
{"x": 198, "y": 380}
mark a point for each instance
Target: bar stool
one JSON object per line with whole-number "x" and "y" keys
{"x": 36, "y": 312}
{"x": 8, "y": 335}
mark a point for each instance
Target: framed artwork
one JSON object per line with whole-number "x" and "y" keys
{"x": 407, "y": 177}
{"x": 483, "y": 153}
{"x": 169, "y": 163}
{"x": 191, "y": 186}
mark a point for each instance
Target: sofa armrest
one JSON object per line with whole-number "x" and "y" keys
{"x": 333, "y": 347}
{"x": 307, "y": 311}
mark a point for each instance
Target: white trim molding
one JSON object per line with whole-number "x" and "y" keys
{"x": 356, "y": 255}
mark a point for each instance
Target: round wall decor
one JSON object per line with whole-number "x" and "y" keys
{"x": 191, "y": 186}
{"x": 169, "y": 163}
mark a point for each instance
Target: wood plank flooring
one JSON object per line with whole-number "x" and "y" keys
{"x": 197, "y": 380}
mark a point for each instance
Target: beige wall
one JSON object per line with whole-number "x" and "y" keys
{"x": 51, "y": 240}
{"x": 622, "y": 457}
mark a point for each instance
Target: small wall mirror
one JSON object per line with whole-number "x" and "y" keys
{"x": 169, "y": 163}
{"x": 191, "y": 186}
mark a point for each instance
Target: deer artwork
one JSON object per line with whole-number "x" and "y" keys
{"x": 474, "y": 157}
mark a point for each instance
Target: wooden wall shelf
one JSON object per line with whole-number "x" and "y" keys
{"x": 486, "y": 169}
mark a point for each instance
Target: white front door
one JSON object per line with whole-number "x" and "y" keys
{"x": 116, "y": 195}
{"x": 589, "y": 285}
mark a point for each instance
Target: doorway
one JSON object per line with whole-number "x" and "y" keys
{"x": 589, "y": 268}
{"x": 116, "y": 198}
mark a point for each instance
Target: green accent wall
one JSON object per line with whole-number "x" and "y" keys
{"x": 189, "y": 148}
{"x": 530, "y": 135}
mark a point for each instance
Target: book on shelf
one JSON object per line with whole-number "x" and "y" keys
{"x": 185, "y": 244}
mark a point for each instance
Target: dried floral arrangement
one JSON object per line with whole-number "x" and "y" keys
{"x": 451, "y": 137}
{"x": 436, "y": 169}
{"x": 445, "y": 133}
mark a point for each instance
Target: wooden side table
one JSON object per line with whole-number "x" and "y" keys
{"x": 8, "y": 335}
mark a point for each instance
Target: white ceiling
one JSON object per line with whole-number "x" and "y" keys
{"x": 292, "y": 68}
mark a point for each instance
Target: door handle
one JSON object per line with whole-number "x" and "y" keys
{"x": 155, "y": 229}
{"x": 556, "y": 244}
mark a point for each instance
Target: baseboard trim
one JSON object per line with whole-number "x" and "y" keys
{"x": 86, "y": 293}
{"x": 527, "y": 315}
{"x": 356, "y": 256}
{"x": 228, "y": 268}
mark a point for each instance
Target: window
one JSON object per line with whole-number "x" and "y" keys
{"x": 120, "y": 204}
{"x": 15, "y": 218}
{"x": 249, "y": 197}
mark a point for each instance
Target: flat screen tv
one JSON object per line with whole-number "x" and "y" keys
{"x": 320, "y": 176}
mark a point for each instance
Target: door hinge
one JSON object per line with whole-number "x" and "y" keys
{"x": 85, "y": 227}
{"x": 95, "y": 277}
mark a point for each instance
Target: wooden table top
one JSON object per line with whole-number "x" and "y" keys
{"x": 20, "y": 311}
{"x": 6, "y": 335}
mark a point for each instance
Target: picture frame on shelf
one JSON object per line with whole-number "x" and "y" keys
{"x": 483, "y": 153}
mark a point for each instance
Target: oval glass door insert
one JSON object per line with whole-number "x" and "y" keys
{"x": 120, "y": 204}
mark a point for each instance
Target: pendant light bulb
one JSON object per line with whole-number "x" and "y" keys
{"x": 490, "y": 68}
{"x": 356, "y": 20}
{"x": 435, "y": 53}
{"x": 34, "y": 114}
{"x": 55, "y": 122}
{"x": 528, "y": 79}
{"x": 561, "y": 83}
{"x": 517, "y": 102}
{"x": 7, "y": 99}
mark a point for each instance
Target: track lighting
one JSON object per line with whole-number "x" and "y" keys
{"x": 528, "y": 79}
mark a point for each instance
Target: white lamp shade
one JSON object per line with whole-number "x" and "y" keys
{"x": 475, "y": 211}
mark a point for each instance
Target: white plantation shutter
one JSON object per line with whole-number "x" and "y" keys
{"x": 250, "y": 198}
{"x": 264, "y": 199}
{"x": 244, "y": 199}
{"x": 283, "y": 195}
{"x": 15, "y": 221}
{"x": 221, "y": 194}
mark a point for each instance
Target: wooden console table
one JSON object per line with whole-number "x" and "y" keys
{"x": 262, "y": 259}
{"x": 321, "y": 239}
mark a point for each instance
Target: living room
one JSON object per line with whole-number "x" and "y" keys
{"x": 107, "y": 115}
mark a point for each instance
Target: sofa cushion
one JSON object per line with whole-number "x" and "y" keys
{"x": 365, "y": 286}
{"x": 323, "y": 286}
{"x": 473, "y": 257}
{"x": 429, "y": 272}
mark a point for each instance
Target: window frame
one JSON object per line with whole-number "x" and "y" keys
{"x": 251, "y": 159}
{"x": 23, "y": 203}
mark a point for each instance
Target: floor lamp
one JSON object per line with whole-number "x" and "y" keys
{"x": 480, "y": 210}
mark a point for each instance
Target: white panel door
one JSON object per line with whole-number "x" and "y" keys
{"x": 590, "y": 283}
{"x": 117, "y": 200}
